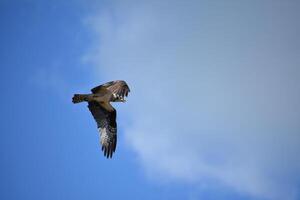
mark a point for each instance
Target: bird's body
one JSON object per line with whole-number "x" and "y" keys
{"x": 103, "y": 112}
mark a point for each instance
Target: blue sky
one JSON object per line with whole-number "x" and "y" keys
{"x": 213, "y": 112}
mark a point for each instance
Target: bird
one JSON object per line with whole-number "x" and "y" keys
{"x": 103, "y": 112}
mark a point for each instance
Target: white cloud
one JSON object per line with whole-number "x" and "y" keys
{"x": 215, "y": 89}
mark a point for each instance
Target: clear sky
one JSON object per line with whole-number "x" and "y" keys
{"x": 213, "y": 113}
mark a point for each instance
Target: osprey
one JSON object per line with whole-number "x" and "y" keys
{"x": 103, "y": 112}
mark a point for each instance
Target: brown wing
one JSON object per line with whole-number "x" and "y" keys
{"x": 119, "y": 88}
{"x": 107, "y": 127}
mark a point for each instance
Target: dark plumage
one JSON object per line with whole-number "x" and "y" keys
{"x": 103, "y": 112}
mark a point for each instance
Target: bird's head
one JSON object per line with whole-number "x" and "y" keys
{"x": 118, "y": 99}
{"x": 123, "y": 100}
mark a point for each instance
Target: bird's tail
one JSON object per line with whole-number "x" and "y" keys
{"x": 77, "y": 98}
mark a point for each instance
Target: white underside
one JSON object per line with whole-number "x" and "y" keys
{"x": 103, "y": 135}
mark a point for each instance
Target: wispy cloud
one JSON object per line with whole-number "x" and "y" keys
{"x": 215, "y": 89}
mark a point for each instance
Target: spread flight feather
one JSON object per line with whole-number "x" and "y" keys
{"x": 103, "y": 112}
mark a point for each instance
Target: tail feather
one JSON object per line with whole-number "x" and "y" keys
{"x": 77, "y": 98}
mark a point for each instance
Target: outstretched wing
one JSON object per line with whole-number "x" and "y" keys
{"x": 119, "y": 89}
{"x": 107, "y": 127}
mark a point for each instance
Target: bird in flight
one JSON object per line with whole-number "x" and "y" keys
{"x": 103, "y": 112}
